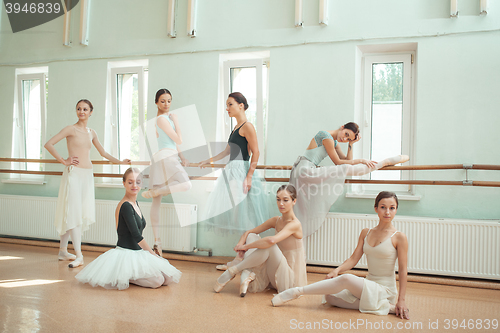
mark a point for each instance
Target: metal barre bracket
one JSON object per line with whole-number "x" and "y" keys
{"x": 468, "y": 166}
{"x": 467, "y": 183}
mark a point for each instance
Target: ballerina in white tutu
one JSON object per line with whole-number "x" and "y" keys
{"x": 133, "y": 260}
{"x": 75, "y": 209}
{"x": 377, "y": 294}
{"x": 319, "y": 187}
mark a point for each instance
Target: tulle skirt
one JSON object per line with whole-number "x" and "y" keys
{"x": 115, "y": 268}
{"x": 229, "y": 209}
{"x": 317, "y": 190}
{"x": 76, "y": 201}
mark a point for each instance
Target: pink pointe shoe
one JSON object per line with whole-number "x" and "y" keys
{"x": 285, "y": 296}
{"x": 232, "y": 271}
{"x": 244, "y": 285}
{"x": 404, "y": 158}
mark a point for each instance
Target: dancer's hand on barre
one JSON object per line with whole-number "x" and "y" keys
{"x": 184, "y": 162}
{"x": 72, "y": 160}
{"x": 332, "y": 274}
{"x": 247, "y": 184}
{"x": 204, "y": 164}
{"x": 368, "y": 163}
{"x": 127, "y": 161}
{"x": 402, "y": 311}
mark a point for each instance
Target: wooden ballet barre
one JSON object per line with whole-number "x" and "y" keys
{"x": 279, "y": 167}
{"x": 285, "y": 180}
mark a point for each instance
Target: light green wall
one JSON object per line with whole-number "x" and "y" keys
{"x": 312, "y": 82}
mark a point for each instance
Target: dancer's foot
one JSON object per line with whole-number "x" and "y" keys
{"x": 65, "y": 255}
{"x": 225, "y": 278}
{"x": 286, "y": 296}
{"x": 157, "y": 247}
{"x": 245, "y": 283}
{"x": 154, "y": 192}
{"x": 78, "y": 262}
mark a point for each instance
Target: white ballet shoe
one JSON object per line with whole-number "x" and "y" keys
{"x": 285, "y": 296}
{"x": 221, "y": 267}
{"x": 78, "y": 262}
{"x": 404, "y": 158}
{"x": 245, "y": 283}
{"x": 219, "y": 286}
{"x": 153, "y": 193}
{"x": 66, "y": 256}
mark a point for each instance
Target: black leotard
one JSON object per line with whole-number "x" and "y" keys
{"x": 238, "y": 144}
{"x": 130, "y": 227}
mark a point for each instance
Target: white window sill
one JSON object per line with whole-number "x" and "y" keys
{"x": 24, "y": 182}
{"x": 109, "y": 185}
{"x": 405, "y": 197}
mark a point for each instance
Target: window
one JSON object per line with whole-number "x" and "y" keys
{"x": 250, "y": 77}
{"x": 386, "y": 116}
{"x": 126, "y": 115}
{"x": 29, "y": 121}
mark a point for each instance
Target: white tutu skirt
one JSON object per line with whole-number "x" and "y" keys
{"x": 317, "y": 190}
{"x": 115, "y": 268}
{"x": 229, "y": 208}
{"x": 76, "y": 201}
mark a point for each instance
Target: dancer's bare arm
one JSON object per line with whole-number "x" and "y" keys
{"x": 63, "y": 134}
{"x": 402, "y": 249}
{"x": 102, "y": 152}
{"x": 353, "y": 259}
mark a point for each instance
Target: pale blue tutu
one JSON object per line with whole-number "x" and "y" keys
{"x": 229, "y": 209}
{"x": 116, "y": 267}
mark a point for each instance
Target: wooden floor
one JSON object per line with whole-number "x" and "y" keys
{"x": 40, "y": 294}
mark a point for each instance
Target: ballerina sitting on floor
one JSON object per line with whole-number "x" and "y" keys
{"x": 377, "y": 293}
{"x": 132, "y": 261}
{"x": 277, "y": 261}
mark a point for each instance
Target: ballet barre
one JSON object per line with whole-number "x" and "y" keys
{"x": 466, "y": 167}
{"x": 279, "y": 167}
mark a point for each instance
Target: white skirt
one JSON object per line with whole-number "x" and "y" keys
{"x": 76, "y": 201}
{"x": 115, "y": 268}
{"x": 317, "y": 190}
{"x": 165, "y": 164}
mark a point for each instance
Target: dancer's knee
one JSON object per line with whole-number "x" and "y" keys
{"x": 252, "y": 238}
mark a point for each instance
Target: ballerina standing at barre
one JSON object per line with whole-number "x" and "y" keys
{"x": 377, "y": 293}
{"x": 167, "y": 174}
{"x": 319, "y": 187}
{"x": 75, "y": 209}
{"x": 132, "y": 261}
{"x": 237, "y": 202}
{"x": 275, "y": 261}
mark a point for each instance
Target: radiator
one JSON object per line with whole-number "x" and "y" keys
{"x": 33, "y": 217}
{"x": 451, "y": 247}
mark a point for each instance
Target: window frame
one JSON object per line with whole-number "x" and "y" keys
{"x": 257, "y": 63}
{"x": 19, "y": 150}
{"x": 364, "y": 119}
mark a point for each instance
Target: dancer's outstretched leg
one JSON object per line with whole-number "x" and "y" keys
{"x": 63, "y": 248}
{"x": 76, "y": 238}
{"x": 340, "y": 303}
{"x": 362, "y": 169}
{"x": 326, "y": 287}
